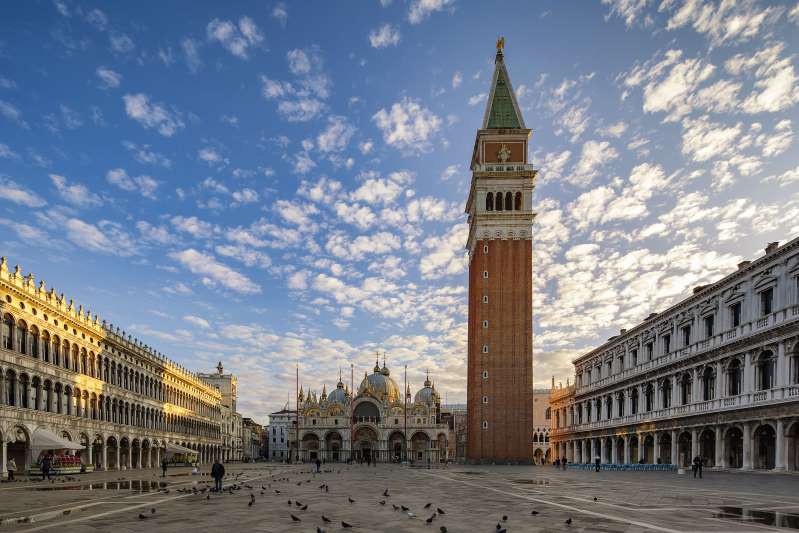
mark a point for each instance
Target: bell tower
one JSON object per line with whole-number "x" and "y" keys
{"x": 500, "y": 347}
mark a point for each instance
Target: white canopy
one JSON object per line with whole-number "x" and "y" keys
{"x": 171, "y": 447}
{"x": 47, "y": 440}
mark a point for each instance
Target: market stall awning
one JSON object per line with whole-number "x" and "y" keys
{"x": 171, "y": 447}
{"x": 47, "y": 440}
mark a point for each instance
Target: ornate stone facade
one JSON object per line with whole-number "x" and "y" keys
{"x": 715, "y": 376}
{"x": 372, "y": 423}
{"x": 64, "y": 371}
{"x": 500, "y": 343}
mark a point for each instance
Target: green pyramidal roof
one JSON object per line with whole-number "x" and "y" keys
{"x": 503, "y": 111}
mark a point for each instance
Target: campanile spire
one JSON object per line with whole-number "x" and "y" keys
{"x": 500, "y": 347}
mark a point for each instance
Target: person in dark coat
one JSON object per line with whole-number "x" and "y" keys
{"x": 47, "y": 463}
{"x": 597, "y": 463}
{"x": 318, "y": 465}
{"x": 563, "y": 463}
{"x": 698, "y": 466}
{"x": 217, "y": 472}
{"x": 163, "y": 467}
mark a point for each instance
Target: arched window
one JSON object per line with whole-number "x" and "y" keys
{"x": 8, "y": 329}
{"x": 56, "y": 350}
{"x": 685, "y": 389}
{"x": 734, "y": 377}
{"x": 508, "y": 201}
{"x": 666, "y": 393}
{"x": 498, "y": 204}
{"x": 34, "y": 342}
{"x": 634, "y": 402}
{"x": 490, "y": 201}
{"x": 548, "y": 414}
{"x": 765, "y": 371}
{"x": 517, "y": 204}
{"x": 649, "y": 398}
{"x": 608, "y": 408}
{"x": 620, "y": 403}
{"x": 46, "y": 347}
{"x": 65, "y": 349}
{"x": 21, "y": 337}
{"x": 708, "y": 384}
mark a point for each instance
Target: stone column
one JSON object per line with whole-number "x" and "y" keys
{"x": 719, "y": 459}
{"x": 749, "y": 374}
{"x": 641, "y": 437}
{"x": 602, "y": 450}
{"x": 675, "y": 460}
{"x": 593, "y": 447}
{"x": 138, "y": 462}
{"x": 150, "y": 456}
{"x": 613, "y": 454}
{"x": 90, "y": 449}
{"x": 3, "y": 458}
{"x": 119, "y": 456}
{"x": 655, "y": 447}
{"x": 779, "y": 448}
{"x": 694, "y": 443}
{"x": 675, "y": 390}
{"x": 105, "y": 456}
{"x": 626, "y": 449}
{"x": 747, "y": 447}
{"x": 781, "y": 375}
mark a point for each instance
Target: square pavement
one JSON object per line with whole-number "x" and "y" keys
{"x": 473, "y": 498}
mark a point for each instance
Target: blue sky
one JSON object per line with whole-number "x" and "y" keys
{"x": 269, "y": 183}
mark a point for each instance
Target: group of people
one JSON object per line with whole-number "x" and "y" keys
{"x": 696, "y": 464}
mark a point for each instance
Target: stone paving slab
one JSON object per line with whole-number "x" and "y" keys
{"x": 473, "y": 499}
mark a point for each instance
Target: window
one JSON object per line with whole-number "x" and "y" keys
{"x": 734, "y": 377}
{"x": 735, "y": 315}
{"x": 485, "y": 298}
{"x": 610, "y": 367}
{"x": 485, "y": 374}
{"x": 621, "y": 362}
{"x": 498, "y": 204}
{"x": 485, "y": 248}
{"x": 634, "y": 402}
{"x": 765, "y": 371}
{"x": 685, "y": 390}
{"x": 666, "y": 344}
{"x": 650, "y": 351}
{"x": 485, "y": 424}
{"x": 608, "y": 408}
{"x": 666, "y": 392}
{"x": 485, "y": 348}
{"x": 620, "y": 404}
{"x": 485, "y": 323}
{"x": 686, "y": 336}
{"x": 634, "y": 357}
{"x": 548, "y": 414}
{"x": 517, "y": 205}
{"x": 766, "y": 301}
{"x": 649, "y": 398}
{"x": 490, "y": 201}
{"x": 485, "y": 274}
{"x": 485, "y": 399}
{"x": 708, "y": 384}
{"x": 709, "y": 320}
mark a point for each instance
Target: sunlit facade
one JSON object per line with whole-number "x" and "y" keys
{"x": 64, "y": 371}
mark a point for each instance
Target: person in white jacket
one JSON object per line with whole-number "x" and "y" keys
{"x": 11, "y": 466}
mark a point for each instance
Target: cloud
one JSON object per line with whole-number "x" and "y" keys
{"x": 776, "y": 81}
{"x": 632, "y": 11}
{"x": 245, "y": 196}
{"x": 345, "y": 247}
{"x": 191, "y": 53}
{"x": 13, "y": 192}
{"x": 236, "y": 40}
{"x": 76, "y": 194}
{"x": 614, "y": 130}
{"x": 299, "y": 63}
{"x": 336, "y": 136}
{"x": 144, "y": 155}
{"x": 121, "y": 43}
{"x": 457, "y": 79}
{"x": 296, "y": 213}
{"x": 105, "y": 238}
{"x": 408, "y": 126}
{"x": 13, "y": 114}
{"x": 193, "y": 226}
{"x": 152, "y": 115}
{"x": 447, "y": 256}
{"x": 109, "y": 79}
{"x": 211, "y": 155}
{"x": 280, "y": 13}
{"x": 421, "y": 9}
{"x": 789, "y": 177}
{"x": 703, "y": 140}
{"x": 197, "y": 321}
{"x": 384, "y": 36}
{"x": 7, "y": 153}
{"x": 376, "y": 190}
{"x": 476, "y": 99}
{"x": 145, "y": 185}
{"x": 298, "y": 280}
{"x": 724, "y": 22}
{"x": 215, "y": 273}
{"x": 594, "y": 155}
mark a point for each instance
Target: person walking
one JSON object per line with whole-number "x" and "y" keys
{"x": 47, "y": 463}
{"x": 11, "y": 466}
{"x": 597, "y": 463}
{"x": 563, "y": 462}
{"x": 163, "y": 467}
{"x": 697, "y": 466}
{"x": 318, "y": 465}
{"x": 217, "y": 472}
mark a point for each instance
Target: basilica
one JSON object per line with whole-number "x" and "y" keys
{"x": 376, "y": 423}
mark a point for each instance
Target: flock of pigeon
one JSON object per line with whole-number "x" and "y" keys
{"x": 297, "y": 505}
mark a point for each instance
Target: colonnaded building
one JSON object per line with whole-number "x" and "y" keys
{"x": 64, "y": 374}
{"x": 376, "y": 423}
{"x": 715, "y": 376}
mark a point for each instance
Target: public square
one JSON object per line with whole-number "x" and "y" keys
{"x": 473, "y": 498}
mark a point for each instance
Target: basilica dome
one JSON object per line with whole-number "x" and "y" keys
{"x": 380, "y": 385}
{"x": 427, "y": 394}
{"x": 338, "y": 395}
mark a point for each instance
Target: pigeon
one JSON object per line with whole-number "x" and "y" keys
{"x": 325, "y": 519}
{"x": 569, "y": 521}
{"x": 428, "y": 506}
{"x": 304, "y": 507}
{"x": 152, "y": 511}
{"x": 208, "y": 497}
{"x": 289, "y": 502}
{"x": 395, "y": 507}
{"x": 499, "y": 526}
{"x": 410, "y": 514}
{"x": 296, "y": 518}
{"x": 504, "y": 518}
{"x": 327, "y": 489}
{"x": 250, "y": 503}
{"x": 431, "y": 518}
{"x": 351, "y": 500}
{"x": 345, "y": 525}
{"x": 443, "y": 529}
{"x": 534, "y": 513}
{"x": 595, "y": 498}
{"x": 277, "y": 491}
{"x": 385, "y": 493}
{"x": 403, "y": 508}
{"x": 439, "y": 510}
{"x": 298, "y": 503}
{"x": 142, "y": 516}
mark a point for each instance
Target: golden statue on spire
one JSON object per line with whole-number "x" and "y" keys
{"x": 500, "y": 44}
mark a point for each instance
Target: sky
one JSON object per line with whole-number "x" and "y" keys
{"x": 274, "y": 184}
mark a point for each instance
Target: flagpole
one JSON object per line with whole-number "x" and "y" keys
{"x": 297, "y": 412}
{"x": 405, "y": 411}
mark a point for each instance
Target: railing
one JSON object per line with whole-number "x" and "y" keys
{"x": 795, "y": 310}
{"x": 762, "y": 322}
{"x": 759, "y": 396}
{"x": 504, "y": 167}
{"x": 731, "y": 334}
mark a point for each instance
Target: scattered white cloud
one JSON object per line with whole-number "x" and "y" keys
{"x": 197, "y": 321}
{"x": 408, "y": 126}
{"x": 632, "y": 11}
{"x": 191, "y": 53}
{"x": 143, "y": 154}
{"x": 152, "y": 115}
{"x": 336, "y": 136}
{"x": 109, "y": 79}
{"x": 214, "y": 273}
{"x": 238, "y": 40}
{"x": 457, "y": 79}
{"x": 280, "y": 13}
{"x": 421, "y": 9}
{"x": 447, "y": 255}
{"x": 14, "y": 192}
{"x": 593, "y": 156}
{"x": 384, "y": 36}
{"x": 76, "y": 194}
{"x": 145, "y": 185}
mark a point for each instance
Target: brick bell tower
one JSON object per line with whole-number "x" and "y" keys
{"x": 500, "y": 209}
